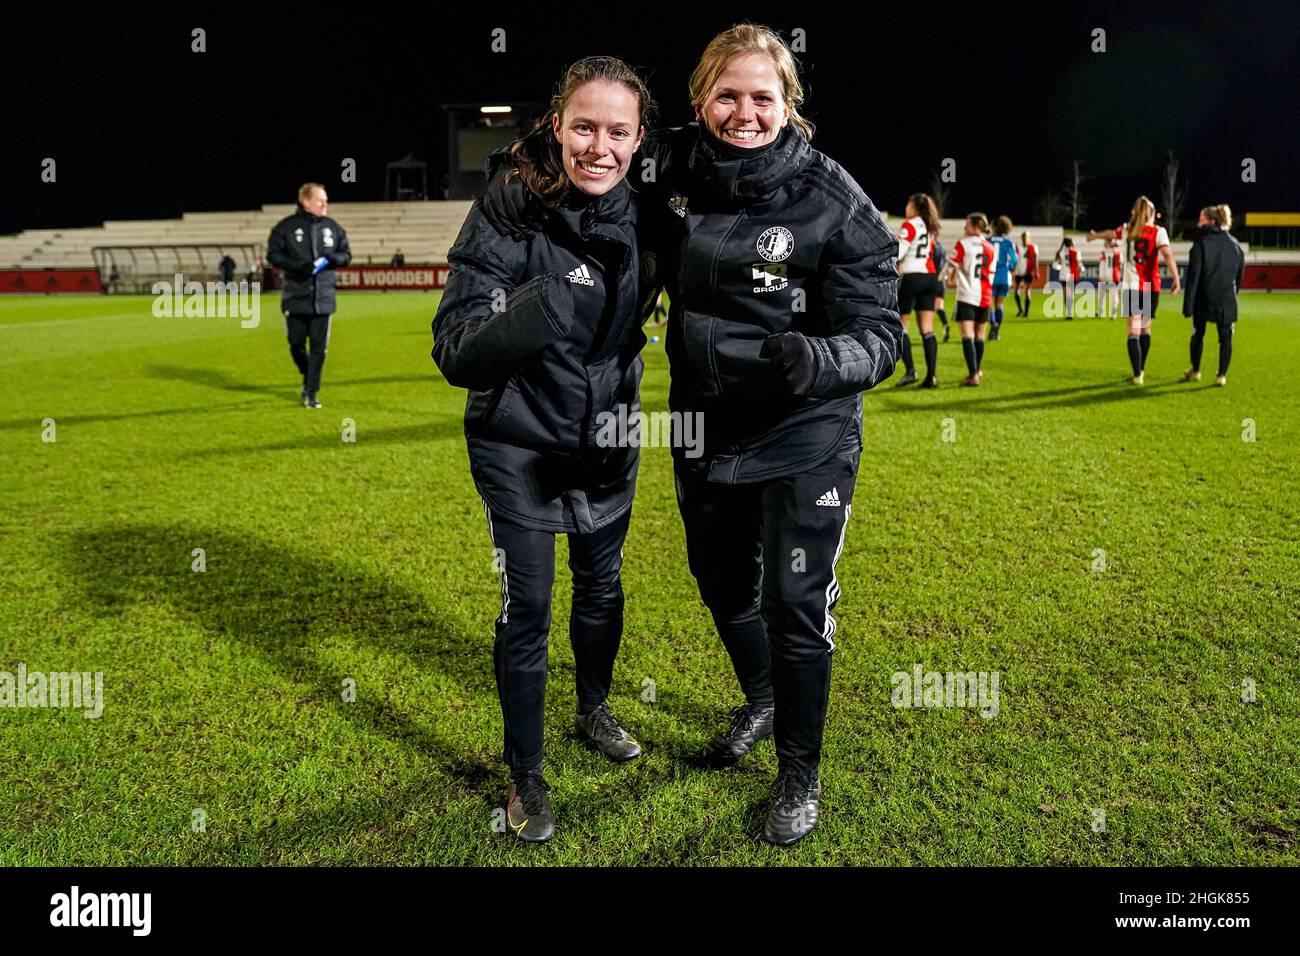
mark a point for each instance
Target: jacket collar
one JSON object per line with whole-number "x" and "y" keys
{"x": 747, "y": 179}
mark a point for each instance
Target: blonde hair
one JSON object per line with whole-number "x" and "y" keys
{"x": 1144, "y": 212}
{"x": 740, "y": 40}
{"x": 979, "y": 221}
{"x": 305, "y": 190}
{"x": 1220, "y": 215}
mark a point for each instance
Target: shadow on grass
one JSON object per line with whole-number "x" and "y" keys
{"x": 277, "y": 601}
{"x": 1118, "y": 391}
{"x": 216, "y": 378}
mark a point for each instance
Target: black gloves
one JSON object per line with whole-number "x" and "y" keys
{"x": 792, "y": 358}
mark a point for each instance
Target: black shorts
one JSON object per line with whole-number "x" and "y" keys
{"x": 972, "y": 313}
{"x": 1027, "y": 278}
{"x": 916, "y": 293}
{"x": 939, "y": 290}
{"x": 1134, "y": 302}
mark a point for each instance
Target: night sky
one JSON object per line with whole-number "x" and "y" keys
{"x": 141, "y": 127}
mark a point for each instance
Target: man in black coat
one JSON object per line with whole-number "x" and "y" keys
{"x": 1215, "y": 271}
{"x": 308, "y": 246}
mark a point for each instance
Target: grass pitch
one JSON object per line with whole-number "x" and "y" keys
{"x": 1124, "y": 560}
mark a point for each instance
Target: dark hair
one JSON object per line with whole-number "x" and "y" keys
{"x": 925, "y": 208}
{"x": 1002, "y": 226}
{"x": 979, "y": 221}
{"x": 1068, "y": 242}
{"x": 538, "y": 158}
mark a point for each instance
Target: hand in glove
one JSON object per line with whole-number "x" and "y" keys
{"x": 792, "y": 358}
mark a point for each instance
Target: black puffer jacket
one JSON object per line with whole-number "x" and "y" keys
{"x": 1216, "y": 268}
{"x": 295, "y": 243}
{"x": 543, "y": 327}
{"x": 750, "y": 248}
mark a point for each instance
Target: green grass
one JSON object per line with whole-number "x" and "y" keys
{"x": 1120, "y": 690}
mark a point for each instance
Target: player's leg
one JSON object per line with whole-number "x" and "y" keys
{"x": 1134, "y": 316}
{"x": 319, "y": 332}
{"x": 1195, "y": 348}
{"x": 980, "y": 330}
{"x": 1225, "y": 351}
{"x": 909, "y": 298}
{"x": 929, "y": 345}
{"x": 525, "y": 560}
{"x": 995, "y": 319}
{"x": 295, "y": 330}
{"x": 966, "y": 322}
{"x": 1144, "y": 339}
{"x": 805, "y": 518}
{"x": 595, "y": 631}
{"x": 939, "y": 310}
{"x": 725, "y": 553}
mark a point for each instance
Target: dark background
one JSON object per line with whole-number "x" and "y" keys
{"x": 141, "y": 127}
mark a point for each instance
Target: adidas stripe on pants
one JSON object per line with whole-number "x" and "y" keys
{"x": 764, "y": 555}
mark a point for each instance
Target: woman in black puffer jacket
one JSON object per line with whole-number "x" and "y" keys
{"x": 543, "y": 326}
{"x": 784, "y": 309}
{"x": 1215, "y": 270}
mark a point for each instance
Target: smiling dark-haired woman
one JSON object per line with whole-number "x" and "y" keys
{"x": 543, "y": 325}
{"x": 784, "y": 309}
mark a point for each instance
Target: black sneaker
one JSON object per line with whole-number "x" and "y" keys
{"x": 749, "y": 725}
{"x": 930, "y": 382}
{"x": 946, "y": 332}
{"x": 907, "y": 379}
{"x": 793, "y": 813}
{"x": 601, "y": 728}
{"x": 309, "y": 400}
{"x": 528, "y": 810}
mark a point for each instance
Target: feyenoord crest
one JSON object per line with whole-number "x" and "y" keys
{"x": 329, "y": 236}
{"x": 776, "y": 244}
{"x": 297, "y": 235}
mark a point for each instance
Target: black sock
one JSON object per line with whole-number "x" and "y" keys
{"x": 931, "y": 347}
{"x": 1197, "y": 346}
{"x": 1135, "y": 354}
{"x": 1019, "y": 307}
{"x": 979, "y": 354}
{"x": 968, "y": 350}
{"x": 1026, "y": 302}
{"x": 907, "y": 353}
{"x": 943, "y": 317}
{"x": 1145, "y": 343}
{"x": 1225, "y": 348}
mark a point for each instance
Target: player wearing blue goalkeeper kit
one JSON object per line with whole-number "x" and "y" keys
{"x": 1002, "y": 270}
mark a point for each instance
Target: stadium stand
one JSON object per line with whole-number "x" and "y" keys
{"x": 424, "y": 230}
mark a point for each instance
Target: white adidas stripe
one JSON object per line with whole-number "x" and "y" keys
{"x": 833, "y": 589}
{"x": 505, "y": 584}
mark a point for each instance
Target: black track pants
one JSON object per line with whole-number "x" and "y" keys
{"x": 526, "y": 562}
{"x": 300, "y": 328}
{"x": 763, "y": 555}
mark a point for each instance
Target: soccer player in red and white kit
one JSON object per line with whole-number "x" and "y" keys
{"x": 1109, "y": 275}
{"x": 1027, "y": 272}
{"x": 1145, "y": 243}
{"x": 1067, "y": 266}
{"x": 916, "y": 287}
{"x": 972, "y": 262}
